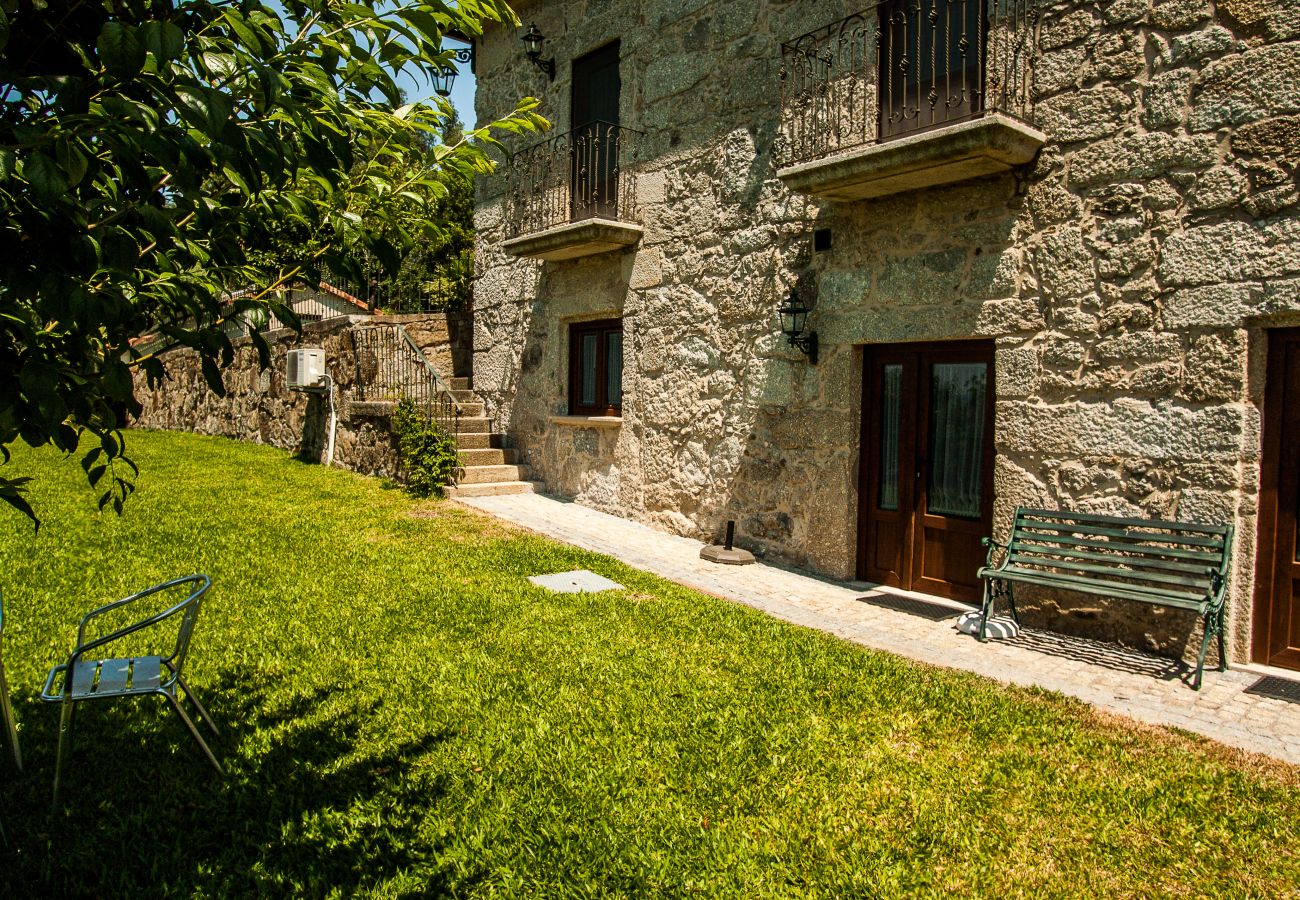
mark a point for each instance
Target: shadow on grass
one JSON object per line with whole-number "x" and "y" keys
{"x": 303, "y": 809}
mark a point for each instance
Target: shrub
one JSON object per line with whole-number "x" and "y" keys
{"x": 427, "y": 452}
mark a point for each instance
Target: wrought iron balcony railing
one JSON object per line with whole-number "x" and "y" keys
{"x": 903, "y": 66}
{"x": 572, "y": 177}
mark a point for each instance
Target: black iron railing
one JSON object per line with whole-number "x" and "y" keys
{"x": 391, "y": 366}
{"x": 579, "y": 175}
{"x": 903, "y": 66}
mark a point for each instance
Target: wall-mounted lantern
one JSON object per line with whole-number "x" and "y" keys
{"x": 445, "y": 76}
{"x": 794, "y": 318}
{"x": 443, "y": 79}
{"x": 533, "y": 41}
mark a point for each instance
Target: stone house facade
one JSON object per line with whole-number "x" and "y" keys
{"x": 1050, "y": 252}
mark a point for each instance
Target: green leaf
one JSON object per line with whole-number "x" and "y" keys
{"x": 120, "y": 49}
{"x": 45, "y": 177}
{"x": 164, "y": 40}
{"x": 8, "y": 162}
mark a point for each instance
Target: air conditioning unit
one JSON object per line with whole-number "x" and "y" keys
{"x": 305, "y": 369}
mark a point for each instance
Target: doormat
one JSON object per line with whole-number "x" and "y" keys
{"x": 1277, "y": 688}
{"x": 935, "y": 612}
{"x": 578, "y": 582}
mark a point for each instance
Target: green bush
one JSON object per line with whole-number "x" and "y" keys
{"x": 427, "y": 452}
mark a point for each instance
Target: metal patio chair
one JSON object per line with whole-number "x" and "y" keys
{"x": 86, "y": 677}
{"x": 7, "y": 711}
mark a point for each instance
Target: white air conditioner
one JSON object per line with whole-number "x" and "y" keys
{"x": 305, "y": 370}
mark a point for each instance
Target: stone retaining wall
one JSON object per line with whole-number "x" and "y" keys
{"x": 259, "y": 408}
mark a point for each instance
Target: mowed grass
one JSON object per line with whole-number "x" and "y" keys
{"x": 405, "y": 715}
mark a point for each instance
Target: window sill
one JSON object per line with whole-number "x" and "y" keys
{"x": 588, "y": 421}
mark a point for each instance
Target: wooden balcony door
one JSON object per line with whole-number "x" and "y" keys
{"x": 925, "y": 491}
{"x": 1276, "y": 639}
{"x": 596, "y": 89}
{"x": 930, "y": 63}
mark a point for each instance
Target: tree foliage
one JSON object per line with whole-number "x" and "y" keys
{"x": 149, "y": 148}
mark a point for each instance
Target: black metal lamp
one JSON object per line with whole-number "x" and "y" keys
{"x": 533, "y": 41}
{"x": 794, "y": 318}
{"x": 443, "y": 79}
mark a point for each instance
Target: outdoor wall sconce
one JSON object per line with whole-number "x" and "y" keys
{"x": 533, "y": 40}
{"x": 794, "y": 318}
{"x": 445, "y": 77}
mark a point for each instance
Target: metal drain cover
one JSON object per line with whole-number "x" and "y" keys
{"x": 577, "y": 582}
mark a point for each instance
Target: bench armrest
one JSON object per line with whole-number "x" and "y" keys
{"x": 992, "y": 547}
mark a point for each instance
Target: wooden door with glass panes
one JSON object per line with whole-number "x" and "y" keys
{"x": 925, "y": 491}
{"x": 1276, "y": 638}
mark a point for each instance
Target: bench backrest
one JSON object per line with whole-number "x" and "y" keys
{"x": 1175, "y": 558}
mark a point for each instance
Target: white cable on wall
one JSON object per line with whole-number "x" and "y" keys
{"x": 329, "y": 453}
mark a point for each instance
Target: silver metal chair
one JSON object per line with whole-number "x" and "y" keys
{"x": 86, "y": 677}
{"x": 7, "y": 711}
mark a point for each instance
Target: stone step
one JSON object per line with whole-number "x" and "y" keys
{"x": 474, "y": 425}
{"x": 464, "y": 396}
{"x": 494, "y": 489}
{"x": 481, "y": 441}
{"x": 471, "y": 408}
{"x": 488, "y": 474}
{"x": 488, "y": 457}
{"x": 459, "y": 384}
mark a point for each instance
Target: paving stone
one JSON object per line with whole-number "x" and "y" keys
{"x": 1220, "y": 710}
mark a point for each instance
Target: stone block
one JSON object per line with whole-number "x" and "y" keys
{"x": 1140, "y": 157}
{"x": 1220, "y": 187}
{"x": 644, "y": 268}
{"x": 1118, "y": 12}
{"x": 1016, "y": 372}
{"x": 1166, "y": 99}
{"x": 651, "y": 188}
{"x": 1216, "y": 367}
{"x": 1179, "y": 15}
{"x": 1245, "y": 87}
{"x": 1139, "y": 347}
{"x": 1084, "y": 115}
{"x": 669, "y": 76}
{"x": 1064, "y": 266}
{"x": 1060, "y": 70}
{"x": 1277, "y": 139}
{"x": 1062, "y": 30}
{"x": 1228, "y": 251}
{"x": 1271, "y": 19}
{"x": 1198, "y": 45}
{"x": 1013, "y": 315}
{"x": 1215, "y": 305}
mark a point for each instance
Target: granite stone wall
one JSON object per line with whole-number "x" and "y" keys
{"x": 1128, "y": 279}
{"x": 259, "y": 408}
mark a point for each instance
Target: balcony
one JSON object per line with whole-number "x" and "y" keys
{"x": 908, "y": 94}
{"x": 568, "y": 196}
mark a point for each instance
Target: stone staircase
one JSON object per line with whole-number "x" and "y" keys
{"x": 490, "y": 469}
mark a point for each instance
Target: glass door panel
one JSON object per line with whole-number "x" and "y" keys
{"x": 957, "y": 404}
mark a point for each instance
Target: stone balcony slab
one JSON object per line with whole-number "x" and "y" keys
{"x": 574, "y": 240}
{"x": 989, "y": 145}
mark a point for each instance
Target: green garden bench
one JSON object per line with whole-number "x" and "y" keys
{"x": 1175, "y": 564}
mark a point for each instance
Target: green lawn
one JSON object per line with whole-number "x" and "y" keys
{"x": 405, "y": 715}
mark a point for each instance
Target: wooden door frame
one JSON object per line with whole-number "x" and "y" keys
{"x": 1269, "y": 580}
{"x": 914, "y": 437}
